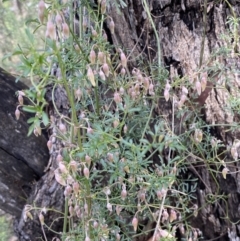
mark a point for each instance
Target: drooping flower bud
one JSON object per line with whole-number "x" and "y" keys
{"x": 17, "y": 113}
{"x": 123, "y": 72}
{"x": 41, "y": 9}
{"x": 49, "y": 144}
{"x": 90, "y": 76}
{"x": 109, "y": 207}
{"x": 41, "y": 218}
{"x": 123, "y": 60}
{"x": 103, "y": 6}
{"x": 92, "y": 57}
{"x": 76, "y": 187}
{"x": 198, "y": 87}
{"x": 117, "y": 98}
{"x": 173, "y": 216}
{"x": 105, "y": 68}
{"x": 124, "y": 194}
{"x": 94, "y": 32}
{"x": 58, "y": 20}
{"x": 225, "y": 171}
{"x": 101, "y": 57}
{"x": 198, "y": 135}
{"x": 135, "y": 223}
{"x": 62, "y": 128}
{"x": 102, "y": 75}
{"x": 111, "y": 26}
{"x": 65, "y": 30}
{"x": 86, "y": 172}
{"x": 51, "y": 31}
{"x": 115, "y": 123}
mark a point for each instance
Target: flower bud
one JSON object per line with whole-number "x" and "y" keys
{"x": 17, "y": 114}
{"x": 62, "y": 168}
{"x": 65, "y": 30}
{"x": 62, "y": 128}
{"x": 123, "y": 72}
{"x": 101, "y": 57}
{"x": 41, "y": 9}
{"x": 51, "y": 30}
{"x": 110, "y": 157}
{"x": 115, "y": 123}
{"x": 90, "y": 76}
{"x": 225, "y": 171}
{"x": 111, "y": 26}
{"x": 95, "y": 224}
{"x": 78, "y": 94}
{"x": 94, "y": 32}
{"x": 58, "y": 20}
{"x": 86, "y": 172}
{"x": 173, "y": 216}
{"x": 103, "y": 6}
{"x": 87, "y": 239}
{"x": 20, "y": 99}
{"x": 92, "y": 57}
{"x": 198, "y": 87}
{"x": 184, "y": 90}
{"x": 117, "y": 98}
{"x": 125, "y": 129}
{"x": 49, "y": 145}
{"x": 89, "y": 130}
{"x": 41, "y": 218}
{"x": 124, "y": 194}
{"x": 109, "y": 207}
{"x": 135, "y": 223}
{"x": 59, "y": 158}
{"x": 118, "y": 237}
{"x": 118, "y": 209}
{"x": 76, "y": 187}
{"x": 102, "y": 75}
{"x": 105, "y": 68}
{"x": 198, "y": 135}
{"x": 165, "y": 215}
{"x": 73, "y": 165}
{"x": 123, "y": 60}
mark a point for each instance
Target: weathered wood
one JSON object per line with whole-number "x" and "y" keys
{"x": 22, "y": 158}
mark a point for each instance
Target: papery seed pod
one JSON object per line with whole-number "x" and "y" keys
{"x": 58, "y": 20}
{"x": 101, "y": 57}
{"x": 20, "y": 99}
{"x": 117, "y": 98}
{"x": 86, "y": 172}
{"x": 109, "y": 207}
{"x": 41, "y": 218}
{"x": 103, "y": 6}
{"x": 165, "y": 215}
{"x": 146, "y": 83}
{"x": 71, "y": 211}
{"x": 234, "y": 153}
{"x": 110, "y": 157}
{"x": 118, "y": 237}
{"x": 105, "y": 68}
{"x": 62, "y": 168}
{"x": 111, "y": 26}
{"x": 90, "y": 76}
{"x": 89, "y": 130}
{"x": 184, "y": 90}
{"x": 73, "y": 165}
{"x": 78, "y": 94}
{"x": 123, "y": 60}
{"x": 123, "y": 194}
{"x": 166, "y": 94}
{"x": 102, "y": 75}
{"x": 94, "y": 32}
{"x": 198, "y": 87}
{"x": 118, "y": 209}
{"x": 92, "y": 57}
{"x": 125, "y": 129}
{"x": 88, "y": 160}
{"x": 67, "y": 191}
{"x": 62, "y": 128}
{"x": 135, "y": 223}
{"x": 95, "y": 224}
{"x": 121, "y": 90}
{"x": 173, "y": 216}
{"x": 198, "y": 135}
{"x": 76, "y": 187}
{"x": 17, "y": 114}
{"x": 140, "y": 77}
{"x": 49, "y": 145}
{"x": 51, "y": 31}
{"x": 115, "y": 123}
{"x": 65, "y": 30}
{"x": 225, "y": 171}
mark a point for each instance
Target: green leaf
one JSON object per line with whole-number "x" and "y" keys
{"x": 30, "y": 130}
{"x": 45, "y": 118}
{"x": 30, "y": 36}
{"x": 31, "y": 120}
{"x": 31, "y": 109}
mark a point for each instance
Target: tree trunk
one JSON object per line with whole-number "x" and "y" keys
{"x": 190, "y": 34}
{"x": 23, "y": 158}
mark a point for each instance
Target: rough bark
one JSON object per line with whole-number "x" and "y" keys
{"x": 22, "y": 158}
{"x": 180, "y": 25}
